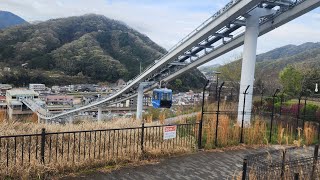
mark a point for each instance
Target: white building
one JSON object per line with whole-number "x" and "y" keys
{"x": 15, "y": 108}
{"x": 37, "y": 87}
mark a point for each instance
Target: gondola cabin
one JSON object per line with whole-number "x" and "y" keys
{"x": 162, "y": 98}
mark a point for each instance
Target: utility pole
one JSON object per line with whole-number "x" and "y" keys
{"x": 140, "y": 68}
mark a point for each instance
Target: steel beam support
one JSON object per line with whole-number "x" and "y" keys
{"x": 248, "y": 66}
{"x": 140, "y": 102}
{"x": 239, "y": 40}
{"x": 222, "y": 35}
{"x": 239, "y": 22}
{"x": 70, "y": 119}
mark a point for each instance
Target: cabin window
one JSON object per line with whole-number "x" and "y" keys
{"x": 166, "y": 97}
{"x": 155, "y": 96}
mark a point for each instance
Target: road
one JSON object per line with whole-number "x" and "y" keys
{"x": 201, "y": 165}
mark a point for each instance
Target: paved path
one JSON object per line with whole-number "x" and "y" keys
{"x": 201, "y": 165}
{"x": 178, "y": 118}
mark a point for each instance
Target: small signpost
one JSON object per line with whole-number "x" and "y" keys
{"x": 170, "y": 132}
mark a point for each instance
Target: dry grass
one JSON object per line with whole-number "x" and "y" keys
{"x": 310, "y": 132}
{"x": 285, "y": 134}
{"x": 149, "y": 118}
{"x": 257, "y": 134}
{"x": 229, "y": 132}
{"x": 70, "y": 152}
{"x": 14, "y": 128}
{"x": 2, "y": 116}
{"x": 162, "y": 118}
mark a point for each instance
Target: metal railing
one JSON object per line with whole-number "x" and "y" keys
{"x": 51, "y": 148}
{"x": 283, "y": 164}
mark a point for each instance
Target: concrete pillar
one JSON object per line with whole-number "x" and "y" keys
{"x": 70, "y": 118}
{"x": 140, "y": 102}
{"x": 249, "y": 61}
{"x": 99, "y": 114}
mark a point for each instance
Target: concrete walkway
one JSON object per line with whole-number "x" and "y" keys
{"x": 201, "y": 165}
{"x": 178, "y": 118}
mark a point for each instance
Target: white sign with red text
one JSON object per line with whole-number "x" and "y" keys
{"x": 170, "y": 132}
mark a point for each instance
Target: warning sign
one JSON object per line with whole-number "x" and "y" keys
{"x": 170, "y": 132}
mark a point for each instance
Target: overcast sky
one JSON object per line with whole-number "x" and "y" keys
{"x": 164, "y": 21}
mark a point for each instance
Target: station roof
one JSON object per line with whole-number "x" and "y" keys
{"x": 15, "y": 103}
{"x": 15, "y": 92}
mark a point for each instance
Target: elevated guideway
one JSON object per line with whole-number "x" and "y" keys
{"x": 218, "y": 35}
{"x": 35, "y": 107}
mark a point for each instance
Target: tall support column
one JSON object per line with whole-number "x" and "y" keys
{"x": 99, "y": 116}
{"x": 70, "y": 118}
{"x": 140, "y": 102}
{"x": 249, "y": 61}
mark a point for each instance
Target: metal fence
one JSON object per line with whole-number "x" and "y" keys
{"x": 51, "y": 148}
{"x": 291, "y": 163}
{"x": 266, "y": 109}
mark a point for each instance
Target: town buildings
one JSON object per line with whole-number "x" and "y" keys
{"x": 59, "y": 103}
{"x": 37, "y": 87}
{"x": 15, "y": 108}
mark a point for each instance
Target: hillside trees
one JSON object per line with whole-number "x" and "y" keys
{"x": 101, "y": 49}
{"x": 231, "y": 72}
{"x": 291, "y": 80}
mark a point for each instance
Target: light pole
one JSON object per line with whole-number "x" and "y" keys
{"x": 217, "y": 83}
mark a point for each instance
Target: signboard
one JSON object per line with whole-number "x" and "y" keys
{"x": 170, "y": 132}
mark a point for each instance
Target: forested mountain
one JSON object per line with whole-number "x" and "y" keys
{"x": 8, "y": 19}
{"x": 91, "y": 46}
{"x": 305, "y": 57}
{"x": 286, "y": 51}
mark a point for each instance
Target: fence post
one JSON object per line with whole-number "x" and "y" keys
{"x": 296, "y": 176}
{"x": 281, "y": 102}
{"x": 304, "y": 112}
{"x": 261, "y": 99}
{"x": 142, "y": 138}
{"x": 315, "y": 160}
{"x": 298, "y": 116}
{"x": 283, "y": 163}
{"x": 201, "y": 120}
{"x": 243, "y": 112}
{"x": 318, "y": 131}
{"x": 218, "y": 112}
{"x": 43, "y": 141}
{"x": 244, "y": 169}
{"x": 272, "y": 114}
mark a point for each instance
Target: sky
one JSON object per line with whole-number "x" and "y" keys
{"x": 166, "y": 21}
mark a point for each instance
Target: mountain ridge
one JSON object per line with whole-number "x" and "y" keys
{"x": 268, "y": 66}
{"x": 288, "y": 50}
{"x": 91, "y": 46}
{"x": 8, "y": 19}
